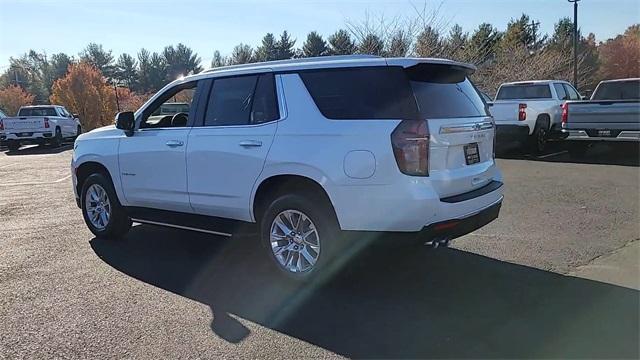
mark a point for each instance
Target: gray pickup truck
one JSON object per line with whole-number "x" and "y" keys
{"x": 612, "y": 114}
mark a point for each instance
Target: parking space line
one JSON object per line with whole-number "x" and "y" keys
{"x": 552, "y": 154}
{"x": 38, "y": 183}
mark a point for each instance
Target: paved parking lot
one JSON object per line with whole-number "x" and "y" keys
{"x": 555, "y": 276}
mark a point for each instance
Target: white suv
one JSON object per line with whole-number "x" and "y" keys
{"x": 309, "y": 149}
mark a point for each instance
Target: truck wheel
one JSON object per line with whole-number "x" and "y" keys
{"x": 57, "y": 139}
{"x": 538, "y": 140}
{"x": 13, "y": 145}
{"x": 101, "y": 210}
{"x": 299, "y": 235}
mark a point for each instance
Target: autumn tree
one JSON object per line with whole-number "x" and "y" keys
{"x": 86, "y": 92}
{"x": 13, "y": 97}
{"x": 621, "y": 55}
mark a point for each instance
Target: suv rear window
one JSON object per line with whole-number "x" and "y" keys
{"x": 362, "y": 93}
{"x": 48, "y": 111}
{"x": 444, "y": 91}
{"x": 618, "y": 90}
{"x": 512, "y": 92}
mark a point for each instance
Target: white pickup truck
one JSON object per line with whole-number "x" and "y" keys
{"x": 42, "y": 124}
{"x": 530, "y": 112}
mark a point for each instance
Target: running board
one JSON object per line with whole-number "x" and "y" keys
{"x": 186, "y": 221}
{"x": 149, "y": 222}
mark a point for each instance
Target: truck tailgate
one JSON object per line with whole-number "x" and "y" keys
{"x": 24, "y": 124}
{"x": 504, "y": 111}
{"x": 605, "y": 113}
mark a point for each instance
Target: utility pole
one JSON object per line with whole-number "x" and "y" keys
{"x": 575, "y": 42}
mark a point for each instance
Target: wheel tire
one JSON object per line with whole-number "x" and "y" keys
{"x": 13, "y": 145}
{"x": 57, "y": 139}
{"x": 578, "y": 151}
{"x": 118, "y": 222}
{"x": 538, "y": 139}
{"x": 327, "y": 235}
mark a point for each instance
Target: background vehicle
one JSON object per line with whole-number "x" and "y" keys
{"x": 612, "y": 114}
{"x": 305, "y": 148}
{"x": 530, "y": 112}
{"x": 2, "y": 116}
{"x": 39, "y": 125}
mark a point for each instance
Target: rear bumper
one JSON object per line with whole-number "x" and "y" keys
{"x": 583, "y": 135}
{"x": 452, "y": 229}
{"x": 28, "y": 138}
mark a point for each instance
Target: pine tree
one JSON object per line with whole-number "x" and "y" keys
{"x": 285, "y": 47}
{"x": 340, "y": 43}
{"x": 314, "y": 45}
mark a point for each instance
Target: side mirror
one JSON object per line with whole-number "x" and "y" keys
{"x": 583, "y": 97}
{"x": 76, "y": 116}
{"x": 125, "y": 121}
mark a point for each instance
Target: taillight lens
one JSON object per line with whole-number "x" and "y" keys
{"x": 522, "y": 112}
{"x": 410, "y": 142}
{"x": 565, "y": 114}
{"x": 1, "y": 125}
{"x": 46, "y": 123}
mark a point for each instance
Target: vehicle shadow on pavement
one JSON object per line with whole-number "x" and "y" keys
{"x": 598, "y": 154}
{"x": 400, "y": 302}
{"x": 40, "y": 150}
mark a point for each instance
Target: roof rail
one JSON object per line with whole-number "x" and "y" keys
{"x": 293, "y": 61}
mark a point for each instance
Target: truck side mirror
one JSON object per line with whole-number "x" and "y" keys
{"x": 76, "y": 116}
{"x": 126, "y": 121}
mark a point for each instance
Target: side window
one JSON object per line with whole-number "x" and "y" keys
{"x": 562, "y": 95}
{"x": 171, "y": 109}
{"x": 242, "y": 100}
{"x": 571, "y": 92}
{"x": 265, "y": 103}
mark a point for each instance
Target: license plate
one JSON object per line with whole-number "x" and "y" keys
{"x": 604, "y": 133}
{"x": 24, "y": 134}
{"x": 471, "y": 153}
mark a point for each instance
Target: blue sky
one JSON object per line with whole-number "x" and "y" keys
{"x": 126, "y": 26}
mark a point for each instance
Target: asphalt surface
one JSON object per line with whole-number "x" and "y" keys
{"x": 506, "y": 290}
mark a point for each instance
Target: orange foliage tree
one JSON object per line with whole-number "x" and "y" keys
{"x": 129, "y": 100}
{"x": 621, "y": 56}
{"x": 83, "y": 90}
{"x": 13, "y": 97}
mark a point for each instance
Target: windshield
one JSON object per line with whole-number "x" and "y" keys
{"x": 43, "y": 111}
{"x": 618, "y": 90}
{"x": 512, "y": 92}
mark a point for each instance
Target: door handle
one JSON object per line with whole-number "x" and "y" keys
{"x": 250, "y": 143}
{"x": 174, "y": 143}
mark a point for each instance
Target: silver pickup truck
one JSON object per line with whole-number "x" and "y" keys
{"x": 612, "y": 114}
{"x": 529, "y": 112}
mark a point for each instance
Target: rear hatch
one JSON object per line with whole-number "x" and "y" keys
{"x": 461, "y": 140}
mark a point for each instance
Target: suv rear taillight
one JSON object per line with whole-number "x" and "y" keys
{"x": 1, "y": 125}
{"x": 565, "y": 113}
{"x": 522, "y": 112}
{"x": 410, "y": 142}
{"x": 46, "y": 122}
